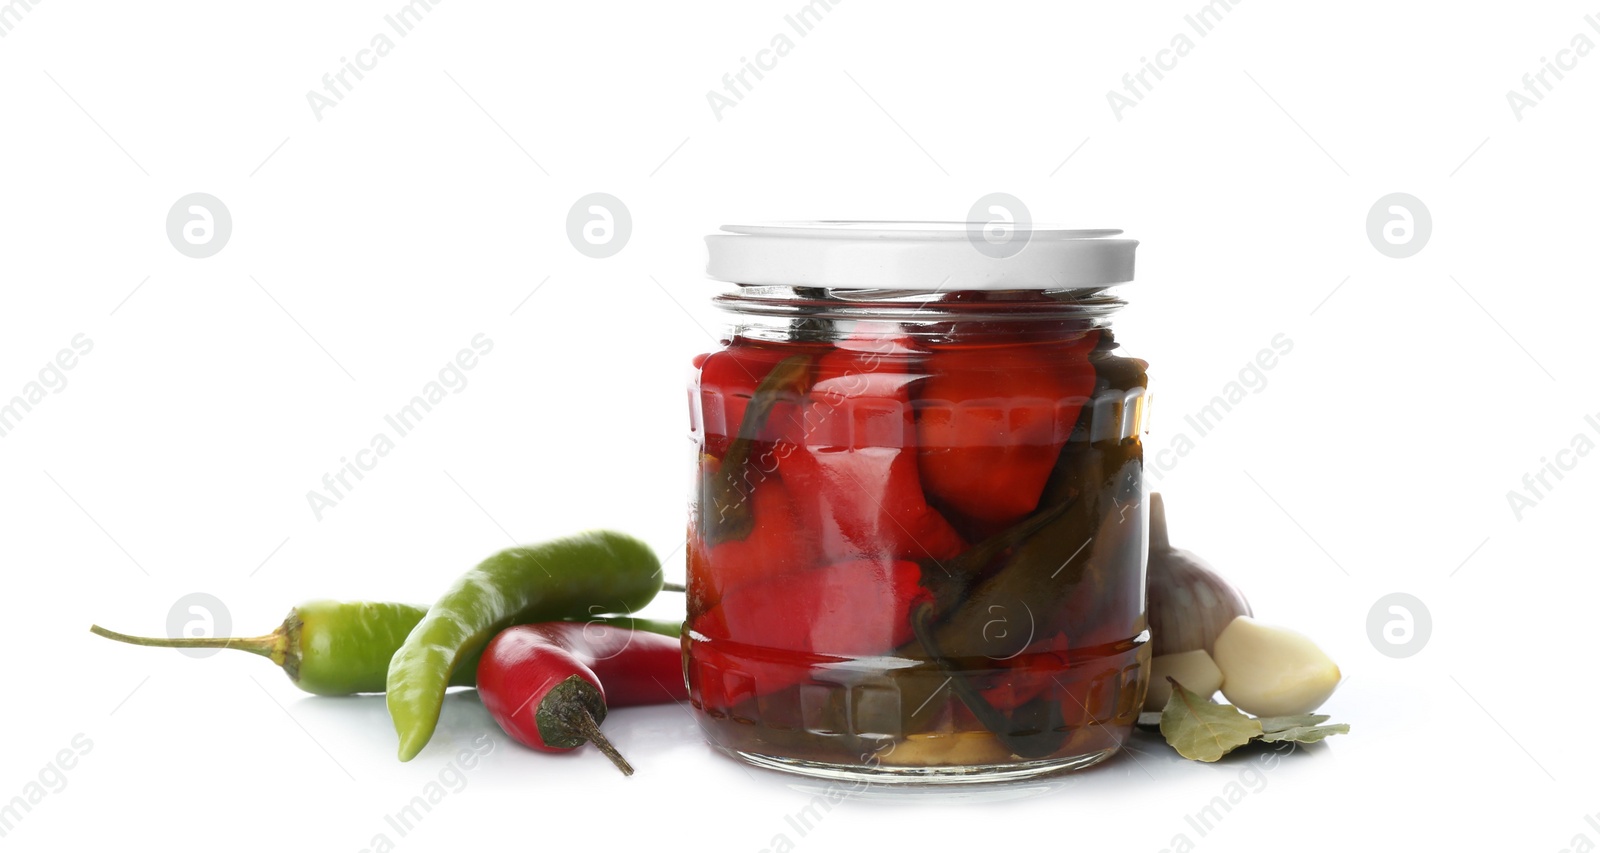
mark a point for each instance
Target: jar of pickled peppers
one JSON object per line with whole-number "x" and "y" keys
{"x": 917, "y": 537}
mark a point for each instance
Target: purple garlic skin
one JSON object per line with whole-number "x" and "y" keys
{"x": 1189, "y": 603}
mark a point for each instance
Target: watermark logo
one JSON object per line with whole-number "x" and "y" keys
{"x": 1399, "y": 225}
{"x": 1005, "y": 629}
{"x": 1137, "y": 84}
{"x": 999, "y": 225}
{"x": 451, "y": 379}
{"x": 451, "y": 780}
{"x": 11, "y": 14}
{"x": 1537, "y": 484}
{"x": 1537, "y": 84}
{"x": 737, "y": 84}
{"x": 52, "y": 379}
{"x": 599, "y": 630}
{"x": 199, "y": 225}
{"x": 809, "y": 817}
{"x": 199, "y": 615}
{"x": 1250, "y": 780}
{"x": 1251, "y": 380}
{"x": 51, "y": 779}
{"x": 1582, "y": 842}
{"x": 599, "y": 225}
{"x": 1399, "y": 625}
{"x": 337, "y": 84}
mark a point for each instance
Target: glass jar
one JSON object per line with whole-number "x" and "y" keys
{"x": 917, "y": 541}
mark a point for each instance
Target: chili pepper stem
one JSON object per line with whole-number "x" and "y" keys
{"x": 584, "y": 723}
{"x": 571, "y": 713}
{"x": 669, "y": 586}
{"x": 265, "y": 645}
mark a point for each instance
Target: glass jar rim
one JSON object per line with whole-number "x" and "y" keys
{"x": 904, "y": 305}
{"x": 920, "y": 256}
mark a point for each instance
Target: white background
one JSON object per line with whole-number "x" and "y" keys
{"x": 372, "y": 244}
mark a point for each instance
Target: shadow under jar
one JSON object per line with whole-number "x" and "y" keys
{"x": 917, "y": 540}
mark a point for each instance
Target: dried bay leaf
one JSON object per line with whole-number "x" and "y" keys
{"x": 1305, "y": 734}
{"x": 1202, "y": 730}
{"x": 1278, "y": 724}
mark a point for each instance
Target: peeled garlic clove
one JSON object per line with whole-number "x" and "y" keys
{"x": 1194, "y": 670}
{"x": 1189, "y": 603}
{"x": 1272, "y": 672}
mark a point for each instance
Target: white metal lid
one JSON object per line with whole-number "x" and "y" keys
{"x": 919, "y": 255}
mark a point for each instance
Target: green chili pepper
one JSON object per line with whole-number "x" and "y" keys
{"x": 331, "y": 648}
{"x": 1041, "y": 572}
{"x": 664, "y": 627}
{"x": 951, "y": 580}
{"x": 726, "y": 504}
{"x": 562, "y": 579}
{"x": 337, "y": 648}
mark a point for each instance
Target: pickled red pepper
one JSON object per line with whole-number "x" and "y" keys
{"x": 841, "y": 610}
{"x": 775, "y": 544}
{"x": 854, "y": 475}
{"x": 845, "y": 462}
{"x": 995, "y": 418}
{"x": 735, "y": 380}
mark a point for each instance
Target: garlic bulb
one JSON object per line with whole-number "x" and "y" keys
{"x": 1189, "y": 604}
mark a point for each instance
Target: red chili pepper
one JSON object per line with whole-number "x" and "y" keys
{"x": 771, "y": 633}
{"x": 548, "y": 685}
{"x": 853, "y": 475}
{"x": 992, "y": 419}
